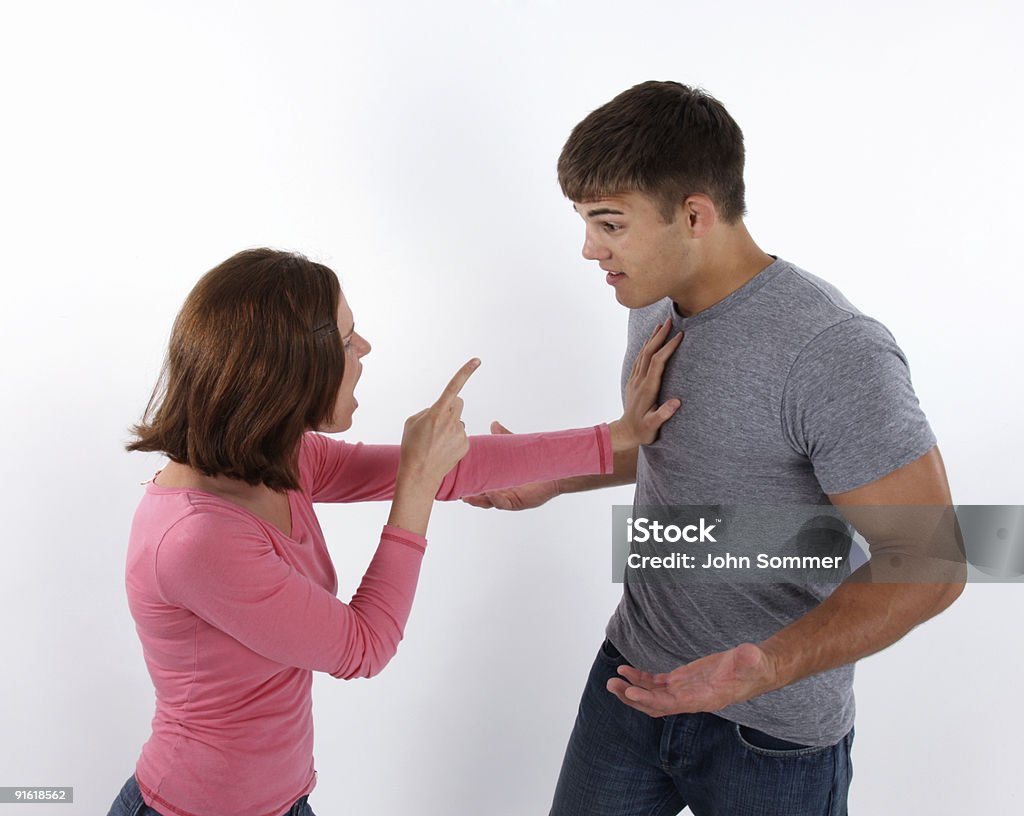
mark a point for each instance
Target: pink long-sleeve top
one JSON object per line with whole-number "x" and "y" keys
{"x": 234, "y": 616}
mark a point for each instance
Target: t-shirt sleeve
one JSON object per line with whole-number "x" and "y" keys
{"x": 225, "y": 570}
{"x": 337, "y": 471}
{"x": 849, "y": 406}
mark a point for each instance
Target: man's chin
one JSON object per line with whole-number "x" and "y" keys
{"x": 633, "y": 302}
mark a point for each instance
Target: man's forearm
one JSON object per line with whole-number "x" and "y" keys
{"x": 858, "y": 619}
{"x": 624, "y": 472}
{"x": 916, "y": 570}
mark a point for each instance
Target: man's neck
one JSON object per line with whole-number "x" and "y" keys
{"x": 730, "y": 262}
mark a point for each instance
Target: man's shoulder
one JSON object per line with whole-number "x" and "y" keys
{"x": 796, "y": 291}
{"x": 824, "y": 312}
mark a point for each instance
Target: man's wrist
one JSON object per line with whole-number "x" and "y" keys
{"x": 622, "y": 437}
{"x": 773, "y": 671}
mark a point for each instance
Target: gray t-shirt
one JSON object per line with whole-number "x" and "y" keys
{"x": 789, "y": 393}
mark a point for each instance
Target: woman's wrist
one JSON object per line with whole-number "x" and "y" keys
{"x": 417, "y": 474}
{"x": 413, "y": 500}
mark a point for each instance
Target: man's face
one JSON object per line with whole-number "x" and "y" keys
{"x": 645, "y": 259}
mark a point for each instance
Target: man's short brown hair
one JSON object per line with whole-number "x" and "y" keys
{"x": 255, "y": 360}
{"x": 662, "y": 139}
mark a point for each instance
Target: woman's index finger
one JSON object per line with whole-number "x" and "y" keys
{"x": 458, "y": 381}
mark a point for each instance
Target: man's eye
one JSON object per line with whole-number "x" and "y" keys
{"x": 609, "y": 227}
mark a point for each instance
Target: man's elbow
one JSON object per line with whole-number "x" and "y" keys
{"x": 949, "y": 592}
{"x": 945, "y": 593}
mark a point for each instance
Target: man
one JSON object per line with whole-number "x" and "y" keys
{"x": 790, "y": 396}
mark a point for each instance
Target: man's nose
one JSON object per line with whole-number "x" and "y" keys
{"x": 594, "y": 251}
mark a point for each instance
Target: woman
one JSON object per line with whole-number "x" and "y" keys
{"x": 228, "y": 575}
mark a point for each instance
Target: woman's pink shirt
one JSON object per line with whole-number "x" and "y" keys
{"x": 234, "y": 616}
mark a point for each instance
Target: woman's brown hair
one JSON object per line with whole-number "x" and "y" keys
{"x": 255, "y": 360}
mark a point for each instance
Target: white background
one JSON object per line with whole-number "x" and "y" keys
{"x": 411, "y": 146}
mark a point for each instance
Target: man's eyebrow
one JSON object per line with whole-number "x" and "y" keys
{"x": 603, "y": 211}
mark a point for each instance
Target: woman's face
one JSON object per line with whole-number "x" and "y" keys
{"x": 355, "y": 348}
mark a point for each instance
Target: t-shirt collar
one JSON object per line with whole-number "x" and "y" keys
{"x": 729, "y": 301}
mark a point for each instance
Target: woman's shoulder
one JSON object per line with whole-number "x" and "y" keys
{"x": 178, "y": 534}
{"x": 186, "y": 513}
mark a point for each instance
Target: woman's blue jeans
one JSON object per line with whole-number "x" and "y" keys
{"x": 621, "y": 762}
{"x": 129, "y": 802}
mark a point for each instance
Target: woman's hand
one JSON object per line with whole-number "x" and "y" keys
{"x": 433, "y": 442}
{"x": 435, "y": 439}
{"x": 643, "y": 417}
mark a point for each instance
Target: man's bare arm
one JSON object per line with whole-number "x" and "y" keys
{"x": 861, "y": 617}
{"x": 874, "y": 608}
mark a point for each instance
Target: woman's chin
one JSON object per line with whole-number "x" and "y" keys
{"x": 341, "y": 421}
{"x": 335, "y": 426}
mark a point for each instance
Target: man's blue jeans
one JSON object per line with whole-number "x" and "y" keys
{"x": 621, "y": 762}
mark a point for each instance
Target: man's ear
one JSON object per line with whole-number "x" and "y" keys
{"x": 700, "y": 214}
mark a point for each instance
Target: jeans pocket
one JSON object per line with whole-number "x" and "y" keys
{"x": 759, "y": 742}
{"x": 609, "y": 653}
